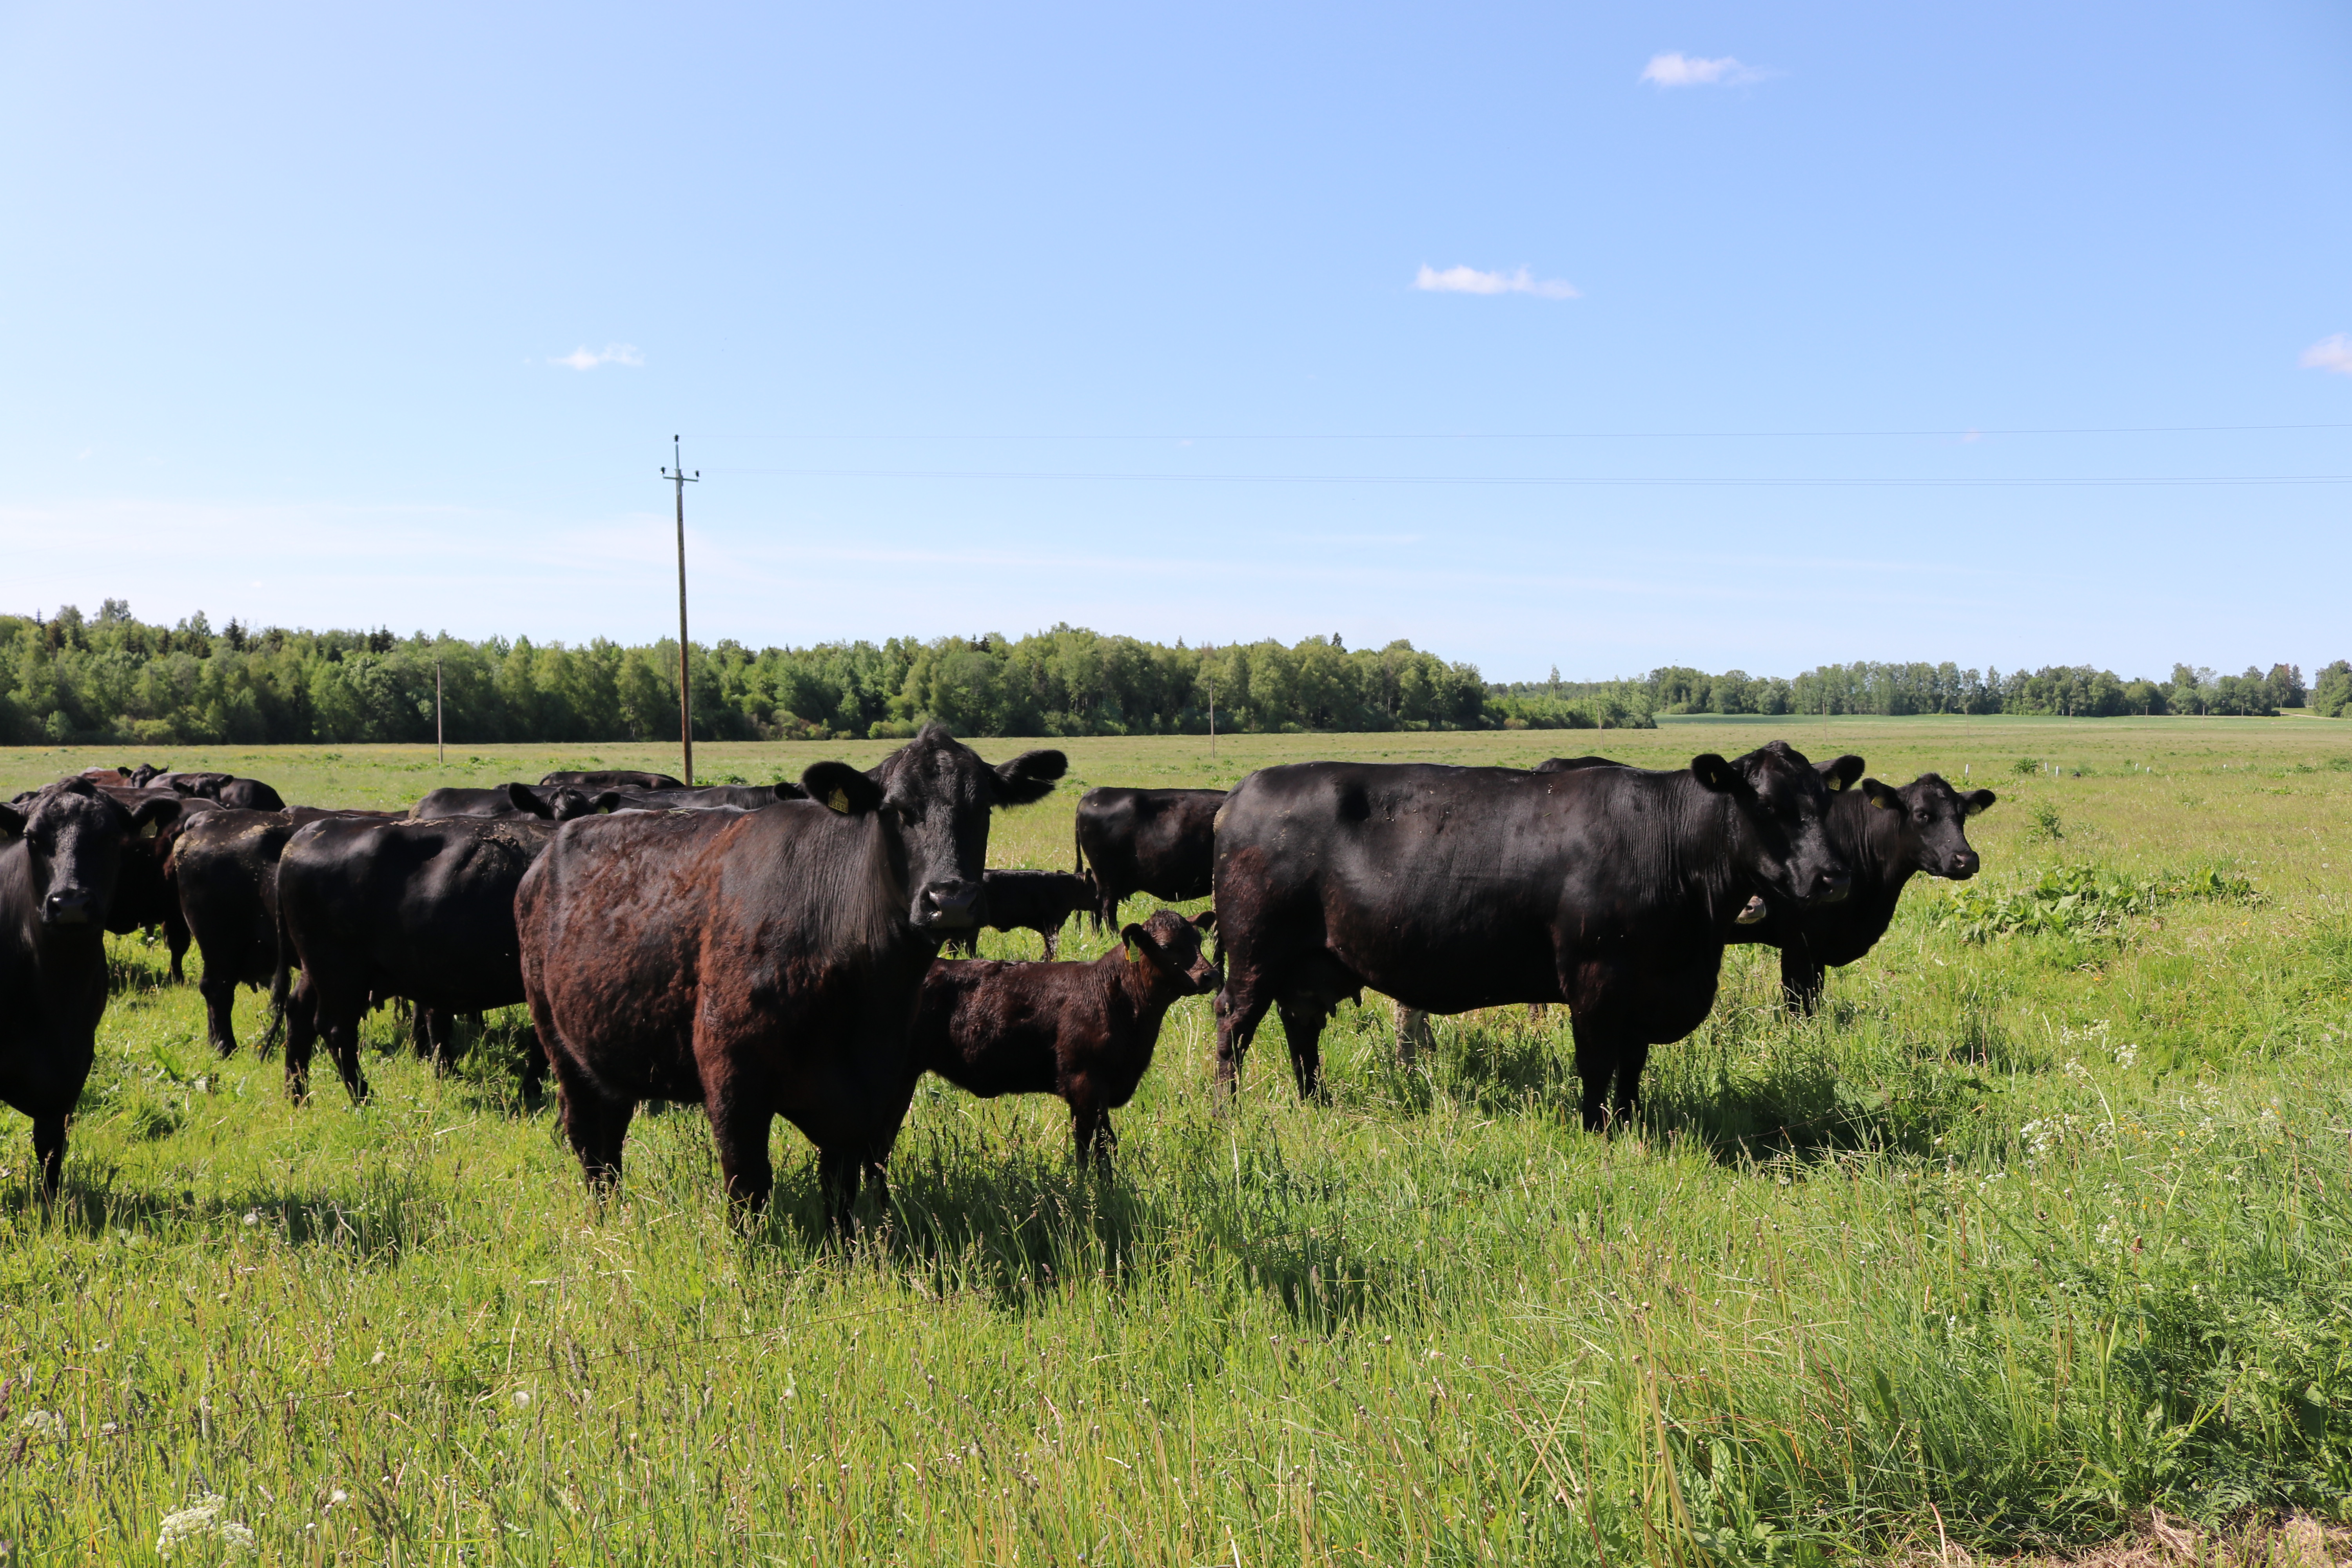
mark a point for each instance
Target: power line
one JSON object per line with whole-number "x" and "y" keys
{"x": 1633, "y": 480}
{"x": 1963, "y": 433}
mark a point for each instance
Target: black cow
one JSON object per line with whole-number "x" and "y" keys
{"x": 560, "y": 804}
{"x": 241, "y": 794}
{"x": 1612, "y": 890}
{"x": 224, "y": 865}
{"x": 1886, "y": 836}
{"x": 1156, "y": 841}
{"x": 614, "y": 778}
{"x": 745, "y": 797}
{"x": 764, "y": 962}
{"x": 1041, "y": 901}
{"x": 145, "y": 897}
{"x": 372, "y": 911}
{"x": 60, "y": 857}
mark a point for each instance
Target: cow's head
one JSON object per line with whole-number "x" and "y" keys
{"x": 74, "y": 839}
{"x": 1780, "y": 802}
{"x": 1171, "y": 944}
{"x": 1934, "y": 817}
{"x": 934, "y": 795}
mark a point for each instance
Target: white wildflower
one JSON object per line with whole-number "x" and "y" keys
{"x": 43, "y": 1424}
{"x": 2127, "y": 1056}
{"x": 253, "y": 1216}
{"x": 201, "y": 1520}
{"x": 522, "y": 1399}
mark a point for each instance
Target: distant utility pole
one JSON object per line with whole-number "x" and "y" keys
{"x": 1212, "y": 701}
{"x": 678, "y": 477}
{"x": 440, "y": 751}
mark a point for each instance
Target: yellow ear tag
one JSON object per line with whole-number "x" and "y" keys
{"x": 839, "y": 801}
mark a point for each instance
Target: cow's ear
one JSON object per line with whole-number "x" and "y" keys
{"x": 841, "y": 788}
{"x": 1206, "y": 919}
{"x": 1029, "y": 777}
{"x": 519, "y": 796}
{"x": 154, "y": 816}
{"x": 1978, "y": 801}
{"x": 1713, "y": 773}
{"x": 12, "y": 822}
{"x": 785, "y": 790}
{"x": 1883, "y": 796}
{"x": 607, "y": 802}
{"x": 1139, "y": 940}
{"x": 1840, "y": 772}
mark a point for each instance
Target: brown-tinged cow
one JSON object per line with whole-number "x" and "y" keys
{"x": 763, "y": 963}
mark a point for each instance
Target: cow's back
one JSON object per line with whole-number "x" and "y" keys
{"x": 1457, "y": 888}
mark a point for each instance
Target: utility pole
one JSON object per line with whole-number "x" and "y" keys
{"x": 440, "y": 751}
{"x": 1212, "y": 706}
{"x": 678, "y": 477}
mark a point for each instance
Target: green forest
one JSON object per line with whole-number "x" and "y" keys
{"x": 72, "y": 677}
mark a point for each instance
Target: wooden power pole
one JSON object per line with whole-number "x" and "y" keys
{"x": 678, "y": 477}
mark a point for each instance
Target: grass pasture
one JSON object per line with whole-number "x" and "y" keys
{"x": 2043, "y": 1222}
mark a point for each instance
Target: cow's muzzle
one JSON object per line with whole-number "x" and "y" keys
{"x": 66, "y": 909}
{"x": 949, "y": 906}
{"x": 1961, "y": 865}
{"x": 1752, "y": 912}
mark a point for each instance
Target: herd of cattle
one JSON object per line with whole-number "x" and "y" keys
{"x": 776, "y": 951}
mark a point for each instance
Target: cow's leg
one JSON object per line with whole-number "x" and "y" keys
{"x": 342, "y": 1035}
{"x": 1801, "y": 980}
{"x": 1596, "y": 1062}
{"x": 219, "y": 993}
{"x": 1091, "y": 1129}
{"x": 594, "y": 1125}
{"x": 1302, "y": 1027}
{"x": 301, "y": 1033}
{"x": 739, "y": 1126}
{"x": 420, "y": 1030}
{"x": 837, "y": 1175}
{"x": 49, "y": 1149}
{"x": 440, "y": 1030}
{"x": 1053, "y": 942}
{"x": 1240, "y": 1009}
{"x": 534, "y": 1068}
{"x": 1631, "y": 1058}
{"x": 175, "y": 938}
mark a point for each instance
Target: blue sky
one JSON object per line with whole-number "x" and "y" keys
{"x": 1205, "y": 322}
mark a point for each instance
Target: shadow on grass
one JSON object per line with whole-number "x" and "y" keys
{"x": 390, "y": 1215}
{"x": 1015, "y": 1226}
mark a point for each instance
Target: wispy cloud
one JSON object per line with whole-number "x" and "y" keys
{"x": 1678, "y": 69}
{"x": 585, "y": 358}
{"x": 1470, "y": 280}
{"x": 2330, "y": 353}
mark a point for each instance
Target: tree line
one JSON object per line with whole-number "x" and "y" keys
{"x": 2082, "y": 692}
{"x": 112, "y": 677}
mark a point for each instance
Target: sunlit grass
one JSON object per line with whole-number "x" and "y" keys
{"x": 2017, "y": 1239}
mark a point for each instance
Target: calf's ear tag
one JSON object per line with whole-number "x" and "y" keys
{"x": 839, "y": 801}
{"x": 1835, "y": 784}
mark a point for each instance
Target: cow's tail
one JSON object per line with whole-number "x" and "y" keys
{"x": 1078, "y": 868}
{"x": 281, "y": 976}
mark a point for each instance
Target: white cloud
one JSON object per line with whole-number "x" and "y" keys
{"x": 1470, "y": 280}
{"x": 1678, "y": 69}
{"x": 2330, "y": 353}
{"x": 585, "y": 358}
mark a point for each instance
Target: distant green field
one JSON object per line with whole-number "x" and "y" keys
{"x": 2047, "y": 1219}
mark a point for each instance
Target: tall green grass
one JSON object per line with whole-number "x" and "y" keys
{"x": 2021, "y": 1236}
